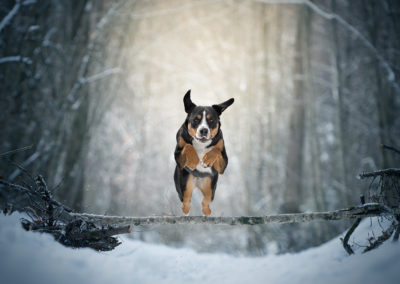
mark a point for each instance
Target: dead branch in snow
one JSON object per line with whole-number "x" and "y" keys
{"x": 387, "y": 191}
{"x": 50, "y": 216}
{"x": 386, "y": 234}
{"x": 346, "y": 238}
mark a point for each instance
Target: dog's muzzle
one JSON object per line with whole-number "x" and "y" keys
{"x": 203, "y": 135}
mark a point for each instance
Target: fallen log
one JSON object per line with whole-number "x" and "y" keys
{"x": 366, "y": 210}
{"x": 389, "y": 172}
{"x": 96, "y": 231}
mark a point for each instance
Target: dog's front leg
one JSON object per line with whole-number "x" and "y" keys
{"x": 189, "y": 157}
{"x": 215, "y": 159}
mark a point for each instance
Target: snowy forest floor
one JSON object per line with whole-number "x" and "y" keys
{"x": 28, "y": 257}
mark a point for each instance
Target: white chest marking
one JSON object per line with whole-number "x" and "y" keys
{"x": 201, "y": 149}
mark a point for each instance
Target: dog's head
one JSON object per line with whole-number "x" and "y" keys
{"x": 203, "y": 121}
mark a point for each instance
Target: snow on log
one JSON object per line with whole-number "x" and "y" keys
{"x": 366, "y": 210}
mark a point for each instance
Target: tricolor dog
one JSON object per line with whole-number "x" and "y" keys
{"x": 200, "y": 153}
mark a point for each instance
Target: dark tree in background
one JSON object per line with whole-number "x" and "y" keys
{"x": 52, "y": 48}
{"x": 96, "y": 87}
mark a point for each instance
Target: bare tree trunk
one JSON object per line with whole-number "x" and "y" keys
{"x": 383, "y": 92}
{"x": 294, "y": 160}
{"x": 338, "y": 93}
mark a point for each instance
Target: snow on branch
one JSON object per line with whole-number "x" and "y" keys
{"x": 94, "y": 78}
{"x": 16, "y": 151}
{"x": 7, "y": 19}
{"x": 72, "y": 96}
{"x": 102, "y": 75}
{"x": 16, "y": 58}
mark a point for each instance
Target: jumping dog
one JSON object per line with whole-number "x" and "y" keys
{"x": 200, "y": 153}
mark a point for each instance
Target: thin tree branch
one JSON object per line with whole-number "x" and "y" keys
{"x": 382, "y": 238}
{"x": 102, "y": 75}
{"x": 345, "y": 241}
{"x": 26, "y": 163}
{"x": 390, "y": 148}
{"x": 32, "y": 193}
{"x": 84, "y": 64}
{"x": 16, "y": 151}
{"x": 16, "y": 58}
{"x": 7, "y": 19}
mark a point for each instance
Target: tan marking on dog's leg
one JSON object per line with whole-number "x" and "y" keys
{"x": 188, "y": 157}
{"x": 220, "y": 165}
{"x": 181, "y": 142}
{"x": 212, "y": 157}
{"x": 206, "y": 189}
{"x": 187, "y": 195}
{"x": 182, "y": 156}
{"x": 219, "y": 145}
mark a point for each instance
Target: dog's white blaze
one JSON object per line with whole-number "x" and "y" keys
{"x": 203, "y": 125}
{"x": 201, "y": 149}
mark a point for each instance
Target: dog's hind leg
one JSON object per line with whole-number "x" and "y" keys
{"x": 206, "y": 188}
{"x": 187, "y": 195}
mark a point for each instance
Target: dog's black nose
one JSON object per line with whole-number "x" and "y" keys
{"x": 203, "y": 132}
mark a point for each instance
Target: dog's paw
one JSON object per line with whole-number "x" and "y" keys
{"x": 210, "y": 158}
{"x": 191, "y": 158}
{"x": 185, "y": 209}
{"x": 206, "y": 211}
{"x": 204, "y": 165}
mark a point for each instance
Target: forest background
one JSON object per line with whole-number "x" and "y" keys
{"x": 96, "y": 87}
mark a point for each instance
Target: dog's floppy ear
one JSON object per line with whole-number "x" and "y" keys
{"x": 221, "y": 107}
{"x": 189, "y": 105}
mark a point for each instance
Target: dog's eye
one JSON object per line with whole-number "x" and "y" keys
{"x": 196, "y": 120}
{"x": 211, "y": 121}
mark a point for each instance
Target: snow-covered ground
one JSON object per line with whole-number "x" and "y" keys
{"x": 27, "y": 257}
